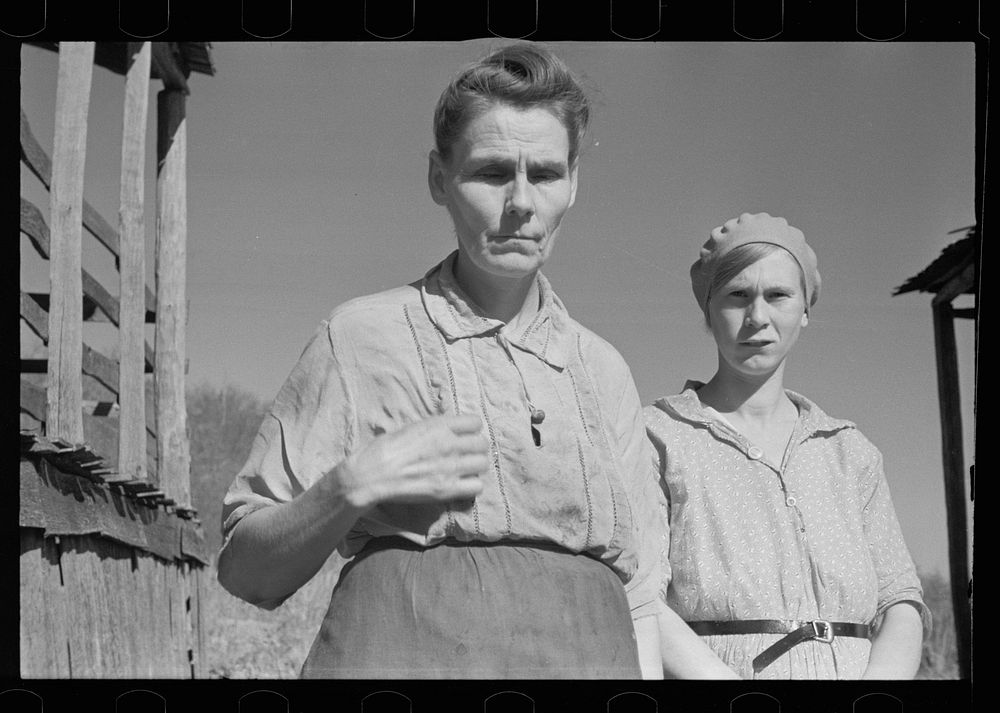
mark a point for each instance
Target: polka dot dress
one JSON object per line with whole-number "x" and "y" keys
{"x": 813, "y": 537}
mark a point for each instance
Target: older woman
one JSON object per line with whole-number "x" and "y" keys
{"x": 785, "y": 554}
{"x": 478, "y": 453}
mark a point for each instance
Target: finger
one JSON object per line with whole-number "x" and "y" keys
{"x": 463, "y": 423}
{"x": 446, "y": 466}
{"x": 437, "y": 489}
{"x": 466, "y": 487}
{"x": 467, "y": 443}
{"x": 473, "y": 464}
{"x": 438, "y": 445}
{"x": 441, "y": 426}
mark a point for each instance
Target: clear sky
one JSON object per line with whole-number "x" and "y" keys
{"x": 307, "y": 186}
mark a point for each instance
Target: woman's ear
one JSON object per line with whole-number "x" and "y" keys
{"x": 436, "y": 176}
{"x": 805, "y": 318}
{"x": 573, "y": 172}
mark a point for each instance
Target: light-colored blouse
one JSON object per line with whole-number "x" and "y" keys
{"x": 812, "y": 537}
{"x": 387, "y": 360}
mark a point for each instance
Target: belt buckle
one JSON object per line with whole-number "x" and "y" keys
{"x": 822, "y": 631}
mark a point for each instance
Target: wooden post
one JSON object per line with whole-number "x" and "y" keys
{"x": 954, "y": 475}
{"x": 173, "y": 455}
{"x": 64, "y": 418}
{"x": 131, "y": 227}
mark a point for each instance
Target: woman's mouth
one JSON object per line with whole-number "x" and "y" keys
{"x": 517, "y": 236}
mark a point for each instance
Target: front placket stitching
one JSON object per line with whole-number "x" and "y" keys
{"x": 737, "y": 440}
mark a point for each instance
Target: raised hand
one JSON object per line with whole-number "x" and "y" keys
{"x": 434, "y": 460}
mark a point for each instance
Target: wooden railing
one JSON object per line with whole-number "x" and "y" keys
{"x": 151, "y": 418}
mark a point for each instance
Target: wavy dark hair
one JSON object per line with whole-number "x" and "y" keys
{"x": 522, "y": 75}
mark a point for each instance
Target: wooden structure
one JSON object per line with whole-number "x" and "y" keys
{"x": 112, "y": 556}
{"x": 952, "y": 274}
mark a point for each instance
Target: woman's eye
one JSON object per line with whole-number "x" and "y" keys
{"x": 490, "y": 172}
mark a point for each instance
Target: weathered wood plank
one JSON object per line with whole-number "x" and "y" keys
{"x": 87, "y": 632}
{"x": 132, "y": 607}
{"x": 94, "y": 365}
{"x": 169, "y": 68}
{"x": 64, "y": 504}
{"x": 101, "y": 432}
{"x": 192, "y": 596}
{"x": 131, "y": 228}
{"x": 33, "y": 400}
{"x": 171, "y": 316}
{"x": 33, "y": 155}
{"x": 27, "y": 422}
{"x": 34, "y": 655}
{"x": 38, "y": 163}
{"x": 193, "y": 544}
{"x": 170, "y": 593}
{"x": 198, "y": 584}
{"x": 64, "y": 389}
{"x": 179, "y": 623}
{"x": 105, "y": 302}
{"x": 35, "y": 317}
{"x": 121, "y": 614}
{"x": 91, "y": 607}
{"x": 117, "y": 570}
{"x": 32, "y": 224}
{"x": 129, "y": 624}
{"x": 959, "y": 284}
{"x": 949, "y": 405}
{"x": 99, "y": 366}
{"x": 43, "y": 620}
{"x": 147, "y": 586}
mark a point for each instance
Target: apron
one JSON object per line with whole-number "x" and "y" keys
{"x": 474, "y": 610}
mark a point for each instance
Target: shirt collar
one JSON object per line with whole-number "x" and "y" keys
{"x": 814, "y": 420}
{"x": 456, "y": 316}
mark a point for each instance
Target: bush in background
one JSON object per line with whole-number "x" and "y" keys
{"x": 242, "y": 641}
{"x": 940, "y": 654}
{"x": 222, "y": 423}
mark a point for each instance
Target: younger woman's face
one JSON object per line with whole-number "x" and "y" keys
{"x": 756, "y": 316}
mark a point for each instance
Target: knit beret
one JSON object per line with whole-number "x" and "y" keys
{"x": 753, "y": 228}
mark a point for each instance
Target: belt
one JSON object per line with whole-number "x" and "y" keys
{"x": 796, "y": 632}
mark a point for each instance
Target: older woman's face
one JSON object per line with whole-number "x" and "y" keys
{"x": 756, "y": 317}
{"x": 507, "y": 186}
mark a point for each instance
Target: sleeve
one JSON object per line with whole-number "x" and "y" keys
{"x": 658, "y": 468}
{"x": 897, "y": 575}
{"x": 646, "y": 499}
{"x": 307, "y": 432}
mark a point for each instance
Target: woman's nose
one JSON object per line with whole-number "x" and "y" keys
{"x": 519, "y": 197}
{"x": 756, "y": 314}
